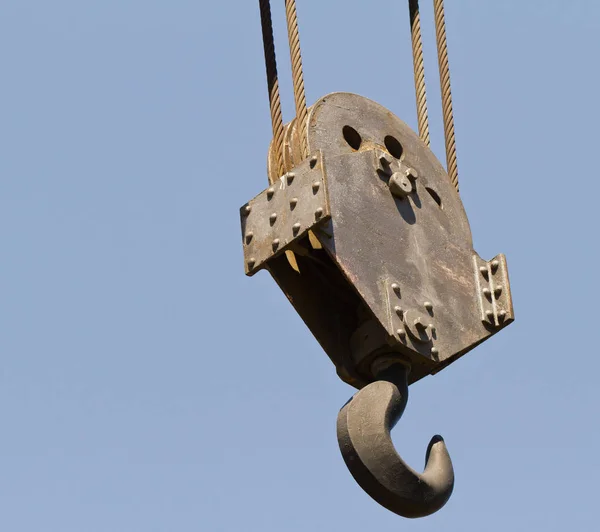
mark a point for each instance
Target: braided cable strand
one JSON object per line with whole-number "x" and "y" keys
{"x": 272, "y": 81}
{"x": 442, "y": 45}
{"x": 419, "y": 66}
{"x": 297, "y": 73}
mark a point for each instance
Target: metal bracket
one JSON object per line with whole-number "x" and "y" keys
{"x": 284, "y": 213}
{"x": 494, "y": 291}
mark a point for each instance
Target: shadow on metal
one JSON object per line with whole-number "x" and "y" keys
{"x": 363, "y": 430}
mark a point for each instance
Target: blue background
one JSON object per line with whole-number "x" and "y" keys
{"x": 147, "y": 385}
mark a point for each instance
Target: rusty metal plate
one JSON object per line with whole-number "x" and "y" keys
{"x": 409, "y": 255}
{"x": 284, "y": 213}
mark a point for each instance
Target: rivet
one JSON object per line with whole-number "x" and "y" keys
{"x": 498, "y": 291}
{"x": 398, "y": 311}
{"x": 419, "y": 324}
{"x": 270, "y": 193}
{"x": 487, "y": 292}
{"x": 273, "y": 218}
{"x": 290, "y": 178}
{"x": 432, "y": 327}
{"x": 319, "y": 213}
{"x": 296, "y": 228}
{"x": 251, "y": 264}
{"x": 490, "y": 315}
{"x": 502, "y": 315}
{"x": 313, "y": 161}
{"x": 435, "y": 351}
{"x": 401, "y": 333}
{"x": 316, "y": 186}
{"x": 428, "y": 306}
{"x": 484, "y": 271}
{"x": 293, "y": 203}
{"x": 276, "y": 244}
{"x": 396, "y": 289}
{"x": 247, "y": 210}
{"x": 249, "y": 237}
{"x": 495, "y": 265}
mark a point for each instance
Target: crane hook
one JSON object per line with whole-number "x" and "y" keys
{"x": 363, "y": 430}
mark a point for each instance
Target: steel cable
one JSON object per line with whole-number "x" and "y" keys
{"x": 419, "y": 67}
{"x": 297, "y": 73}
{"x": 272, "y": 81}
{"x": 442, "y": 45}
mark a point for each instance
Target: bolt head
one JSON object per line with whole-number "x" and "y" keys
{"x": 316, "y": 186}
{"x": 319, "y": 213}
{"x": 398, "y": 311}
{"x": 247, "y": 210}
{"x": 487, "y": 292}
{"x": 249, "y": 237}
{"x": 270, "y": 193}
{"x": 273, "y": 218}
{"x": 498, "y": 291}
{"x": 495, "y": 265}
{"x": 411, "y": 173}
{"x": 396, "y": 289}
{"x": 290, "y": 178}
{"x": 293, "y": 203}
{"x": 251, "y": 264}
{"x": 296, "y": 228}
{"x": 400, "y": 185}
{"x": 401, "y": 333}
{"x": 428, "y": 306}
{"x": 276, "y": 244}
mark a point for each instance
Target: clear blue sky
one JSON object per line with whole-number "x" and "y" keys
{"x": 147, "y": 385}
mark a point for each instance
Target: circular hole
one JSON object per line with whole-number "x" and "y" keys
{"x": 393, "y": 146}
{"x": 352, "y": 137}
{"x": 435, "y": 196}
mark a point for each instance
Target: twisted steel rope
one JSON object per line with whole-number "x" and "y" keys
{"x": 272, "y": 81}
{"x": 442, "y": 45}
{"x": 297, "y": 73}
{"x": 419, "y": 66}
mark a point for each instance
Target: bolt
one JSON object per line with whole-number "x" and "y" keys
{"x": 398, "y": 311}
{"x": 296, "y": 229}
{"x": 290, "y": 178}
{"x": 419, "y": 324}
{"x": 435, "y": 352}
{"x": 484, "y": 271}
{"x": 251, "y": 264}
{"x": 502, "y": 315}
{"x": 396, "y": 289}
{"x": 270, "y": 193}
{"x": 428, "y": 306}
{"x": 316, "y": 186}
{"x": 400, "y": 185}
{"x": 411, "y": 173}
{"x": 273, "y": 218}
{"x": 247, "y": 210}
{"x": 249, "y": 237}
{"x": 385, "y": 160}
{"x": 319, "y": 213}
{"x": 401, "y": 333}
{"x": 487, "y": 292}
{"x": 293, "y": 203}
{"x": 276, "y": 244}
{"x": 495, "y": 265}
{"x": 490, "y": 315}
{"x": 498, "y": 291}
{"x": 313, "y": 161}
